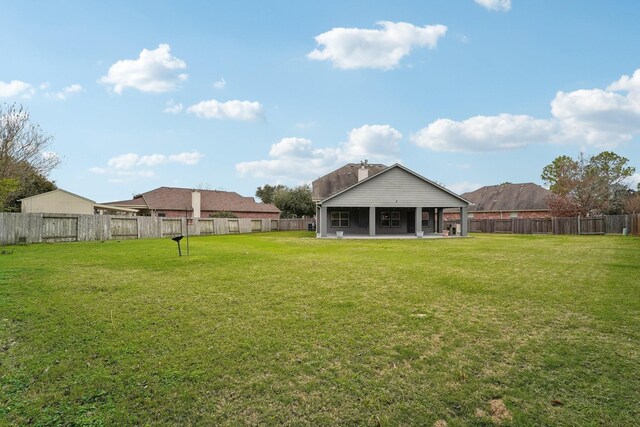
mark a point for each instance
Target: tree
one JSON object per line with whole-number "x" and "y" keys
{"x": 28, "y": 185}
{"x": 24, "y": 160}
{"x": 587, "y": 186}
{"x": 292, "y": 202}
{"x": 267, "y": 192}
{"x": 632, "y": 203}
{"x": 23, "y": 143}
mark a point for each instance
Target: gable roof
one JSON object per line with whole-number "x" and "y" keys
{"x": 58, "y": 190}
{"x": 339, "y": 179}
{"x": 509, "y": 197}
{"x": 399, "y": 166}
{"x": 172, "y": 198}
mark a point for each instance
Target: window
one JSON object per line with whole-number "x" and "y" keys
{"x": 390, "y": 219}
{"x": 340, "y": 219}
{"x": 514, "y": 214}
{"x": 425, "y": 218}
{"x": 162, "y": 214}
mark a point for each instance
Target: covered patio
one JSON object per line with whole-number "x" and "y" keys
{"x": 385, "y": 222}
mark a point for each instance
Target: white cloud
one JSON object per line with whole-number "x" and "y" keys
{"x": 131, "y": 165}
{"x": 295, "y": 159}
{"x": 595, "y": 117}
{"x": 351, "y": 48}
{"x": 16, "y": 88}
{"x": 626, "y": 83}
{"x": 463, "y": 187}
{"x": 173, "y": 107}
{"x": 484, "y": 133}
{"x": 154, "y": 71}
{"x": 186, "y": 158}
{"x": 634, "y": 181}
{"x": 376, "y": 143}
{"x": 220, "y": 84}
{"x": 131, "y": 160}
{"x": 236, "y": 110}
{"x": 497, "y": 5}
{"x": 66, "y": 92}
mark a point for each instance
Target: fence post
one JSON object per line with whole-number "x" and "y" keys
{"x": 578, "y": 225}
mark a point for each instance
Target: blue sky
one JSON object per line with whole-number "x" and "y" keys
{"x": 234, "y": 95}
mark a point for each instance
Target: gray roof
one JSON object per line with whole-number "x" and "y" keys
{"x": 399, "y": 166}
{"x": 344, "y": 177}
{"x": 508, "y": 197}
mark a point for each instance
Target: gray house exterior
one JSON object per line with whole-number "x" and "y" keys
{"x": 393, "y": 201}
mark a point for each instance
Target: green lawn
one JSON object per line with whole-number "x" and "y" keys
{"x": 282, "y": 328}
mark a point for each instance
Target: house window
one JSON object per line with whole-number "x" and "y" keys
{"x": 162, "y": 214}
{"x": 514, "y": 214}
{"x": 390, "y": 219}
{"x": 340, "y": 219}
{"x": 425, "y": 218}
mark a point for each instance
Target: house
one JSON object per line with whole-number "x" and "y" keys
{"x": 372, "y": 200}
{"x": 64, "y": 202}
{"x": 506, "y": 201}
{"x": 175, "y": 202}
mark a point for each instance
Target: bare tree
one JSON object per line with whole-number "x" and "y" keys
{"x": 23, "y": 145}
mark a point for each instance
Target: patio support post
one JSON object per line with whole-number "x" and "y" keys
{"x": 372, "y": 220}
{"x": 440, "y": 224}
{"x": 322, "y": 225}
{"x": 318, "y": 219}
{"x": 418, "y": 220}
{"x": 464, "y": 220}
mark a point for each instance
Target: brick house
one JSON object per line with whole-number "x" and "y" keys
{"x": 174, "y": 202}
{"x": 506, "y": 201}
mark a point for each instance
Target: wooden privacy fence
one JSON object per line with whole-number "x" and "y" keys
{"x": 608, "y": 224}
{"x": 36, "y": 228}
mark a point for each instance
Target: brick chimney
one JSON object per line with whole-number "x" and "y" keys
{"x": 195, "y": 203}
{"x": 363, "y": 172}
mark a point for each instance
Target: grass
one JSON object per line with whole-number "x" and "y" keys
{"x": 282, "y": 328}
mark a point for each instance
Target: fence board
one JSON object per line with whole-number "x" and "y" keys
{"x": 124, "y": 228}
{"x": 171, "y": 227}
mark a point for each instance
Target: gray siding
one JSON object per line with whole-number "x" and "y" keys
{"x": 395, "y": 188}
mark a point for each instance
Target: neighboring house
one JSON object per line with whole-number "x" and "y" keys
{"x": 63, "y": 202}
{"x": 506, "y": 201}
{"x": 374, "y": 199}
{"x": 175, "y": 202}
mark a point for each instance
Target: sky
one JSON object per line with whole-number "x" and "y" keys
{"x": 237, "y": 94}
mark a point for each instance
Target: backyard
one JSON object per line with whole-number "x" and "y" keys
{"x": 283, "y": 328}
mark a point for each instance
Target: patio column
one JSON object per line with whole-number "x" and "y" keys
{"x": 464, "y": 220}
{"x": 418, "y": 220}
{"x": 440, "y": 223}
{"x": 318, "y": 220}
{"x": 322, "y": 224}
{"x": 372, "y": 220}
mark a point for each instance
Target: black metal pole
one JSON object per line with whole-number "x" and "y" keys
{"x": 186, "y": 216}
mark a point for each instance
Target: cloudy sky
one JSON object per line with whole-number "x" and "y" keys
{"x": 233, "y": 95}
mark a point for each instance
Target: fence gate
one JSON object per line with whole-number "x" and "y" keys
{"x": 59, "y": 229}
